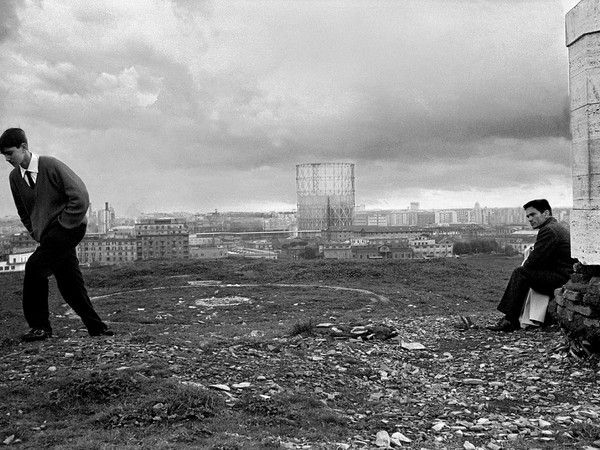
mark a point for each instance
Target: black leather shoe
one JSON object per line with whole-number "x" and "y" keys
{"x": 36, "y": 334}
{"x": 105, "y": 332}
{"x": 504, "y": 325}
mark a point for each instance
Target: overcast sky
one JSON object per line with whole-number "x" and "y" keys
{"x": 185, "y": 105}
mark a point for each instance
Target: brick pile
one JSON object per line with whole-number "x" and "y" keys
{"x": 578, "y": 307}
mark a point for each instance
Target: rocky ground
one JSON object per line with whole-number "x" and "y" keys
{"x": 330, "y": 355}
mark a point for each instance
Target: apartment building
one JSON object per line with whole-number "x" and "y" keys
{"x": 105, "y": 250}
{"x": 162, "y": 238}
{"x": 15, "y": 262}
{"x": 425, "y": 246}
{"x": 382, "y": 252}
{"x": 336, "y": 250}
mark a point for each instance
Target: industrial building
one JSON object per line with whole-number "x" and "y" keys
{"x": 325, "y": 195}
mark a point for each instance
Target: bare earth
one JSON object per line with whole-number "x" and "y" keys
{"x": 228, "y": 355}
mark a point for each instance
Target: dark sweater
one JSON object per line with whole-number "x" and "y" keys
{"x": 552, "y": 249}
{"x": 59, "y": 195}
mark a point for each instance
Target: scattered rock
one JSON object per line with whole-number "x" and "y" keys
{"x": 382, "y": 439}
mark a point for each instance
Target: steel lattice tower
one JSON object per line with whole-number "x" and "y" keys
{"x": 325, "y": 195}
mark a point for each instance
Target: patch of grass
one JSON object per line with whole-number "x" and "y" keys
{"x": 304, "y": 328}
{"x": 163, "y": 402}
{"x": 94, "y": 387}
{"x": 292, "y": 414}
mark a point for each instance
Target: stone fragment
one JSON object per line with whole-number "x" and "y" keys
{"x": 543, "y": 423}
{"x": 400, "y": 437}
{"x": 589, "y": 414}
{"x": 413, "y": 346}
{"x": 474, "y": 381}
{"x": 382, "y": 439}
{"x": 468, "y": 446}
{"x": 221, "y": 387}
{"x": 438, "y": 426}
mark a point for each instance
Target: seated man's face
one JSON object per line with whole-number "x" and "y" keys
{"x": 536, "y": 218}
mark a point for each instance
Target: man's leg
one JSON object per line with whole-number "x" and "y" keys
{"x": 71, "y": 286}
{"x": 54, "y": 247}
{"x": 35, "y": 289}
{"x": 515, "y": 294}
{"x": 521, "y": 280}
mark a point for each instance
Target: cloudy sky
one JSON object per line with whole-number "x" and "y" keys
{"x": 189, "y": 105}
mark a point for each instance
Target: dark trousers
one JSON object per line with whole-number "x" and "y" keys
{"x": 56, "y": 255}
{"x": 523, "y": 279}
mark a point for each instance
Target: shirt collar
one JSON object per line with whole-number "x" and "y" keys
{"x": 33, "y": 165}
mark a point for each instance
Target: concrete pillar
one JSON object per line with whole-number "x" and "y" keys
{"x": 583, "y": 41}
{"x": 578, "y": 301}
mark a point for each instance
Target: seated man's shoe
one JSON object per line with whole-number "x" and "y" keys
{"x": 505, "y": 325}
{"x": 105, "y": 332}
{"x": 36, "y": 334}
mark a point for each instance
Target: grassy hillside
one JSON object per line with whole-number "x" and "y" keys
{"x": 227, "y": 355}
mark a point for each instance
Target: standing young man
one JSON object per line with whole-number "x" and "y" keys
{"x": 52, "y": 203}
{"x": 548, "y": 266}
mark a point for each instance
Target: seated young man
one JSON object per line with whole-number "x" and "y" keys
{"x": 547, "y": 268}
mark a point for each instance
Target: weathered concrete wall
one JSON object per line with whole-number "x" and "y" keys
{"x": 583, "y": 41}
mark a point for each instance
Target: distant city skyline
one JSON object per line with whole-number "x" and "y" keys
{"x": 196, "y": 106}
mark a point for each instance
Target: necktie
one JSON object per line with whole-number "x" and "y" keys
{"x": 30, "y": 179}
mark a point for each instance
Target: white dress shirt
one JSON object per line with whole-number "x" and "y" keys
{"x": 32, "y": 168}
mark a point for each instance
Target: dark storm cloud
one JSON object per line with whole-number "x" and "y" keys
{"x": 453, "y": 95}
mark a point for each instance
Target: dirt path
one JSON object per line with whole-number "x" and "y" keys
{"x": 192, "y": 284}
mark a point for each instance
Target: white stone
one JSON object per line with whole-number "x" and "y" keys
{"x": 438, "y": 426}
{"x": 413, "y": 346}
{"x": 474, "y": 381}
{"x": 543, "y": 423}
{"x": 382, "y": 439}
{"x": 400, "y": 437}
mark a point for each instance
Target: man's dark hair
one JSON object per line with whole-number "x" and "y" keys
{"x": 13, "y": 137}
{"x": 541, "y": 204}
